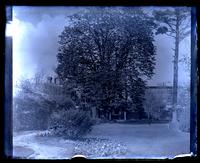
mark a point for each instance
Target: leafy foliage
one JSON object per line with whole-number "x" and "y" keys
{"x": 162, "y": 30}
{"x": 70, "y": 124}
{"x": 184, "y": 109}
{"x": 108, "y": 54}
{"x": 175, "y": 20}
{"x": 155, "y": 102}
{"x": 31, "y": 111}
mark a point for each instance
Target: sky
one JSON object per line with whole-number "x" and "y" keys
{"x": 35, "y": 33}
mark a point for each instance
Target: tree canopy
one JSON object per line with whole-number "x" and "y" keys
{"x": 109, "y": 54}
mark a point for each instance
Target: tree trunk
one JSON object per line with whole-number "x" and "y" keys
{"x": 174, "y": 117}
{"x": 110, "y": 118}
{"x": 174, "y": 123}
{"x": 125, "y": 115}
{"x": 94, "y": 113}
{"x": 175, "y": 77}
{"x": 148, "y": 115}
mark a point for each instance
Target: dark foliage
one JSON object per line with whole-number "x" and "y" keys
{"x": 108, "y": 54}
{"x": 70, "y": 124}
{"x": 31, "y": 112}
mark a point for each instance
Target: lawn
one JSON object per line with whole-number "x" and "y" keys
{"x": 107, "y": 140}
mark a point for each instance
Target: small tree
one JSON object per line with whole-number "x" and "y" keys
{"x": 30, "y": 108}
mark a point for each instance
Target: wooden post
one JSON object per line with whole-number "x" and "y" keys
{"x": 110, "y": 116}
{"x": 94, "y": 112}
{"x": 125, "y": 115}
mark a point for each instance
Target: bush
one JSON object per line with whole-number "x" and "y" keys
{"x": 155, "y": 102}
{"x": 71, "y": 124}
{"x": 184, "y": 109}
{"x": 26, "y": 86}
{"x": 31, "y": 109}
{"x": 30, "y": 113}
{"x": 66, "y": 103}
{"x": 184, "y": 120}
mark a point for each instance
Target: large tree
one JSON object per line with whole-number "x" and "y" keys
{"x": 110, "y": 54}
{"x": 175, "y": 22}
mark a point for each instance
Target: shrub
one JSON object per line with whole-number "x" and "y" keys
{"x": 184, "y": 120}
{"x": 70, "y": 124}
{"x": 66, "y": 103}
{"x": 29, "y": 113}
{"x": 31, "y": 106}
{"x": 154, "y": 104}
{"x": 26, "y": 86}
{"x": 184, "y": 109}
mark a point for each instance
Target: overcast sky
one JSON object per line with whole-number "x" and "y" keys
{"x": 35, "y": 33}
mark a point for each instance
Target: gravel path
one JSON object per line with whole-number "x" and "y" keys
{"x": 43, "y": 147}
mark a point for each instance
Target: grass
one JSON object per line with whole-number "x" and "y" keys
{"x": 144, "y": 121}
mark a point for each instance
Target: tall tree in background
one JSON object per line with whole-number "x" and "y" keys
{"x": 110, "y": 54}
{"x": 174, "y": 22}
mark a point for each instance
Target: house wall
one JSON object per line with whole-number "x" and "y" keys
{"x": 165, "y": 91}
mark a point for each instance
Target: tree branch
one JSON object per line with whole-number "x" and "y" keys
{"x": 184, "y": 35}
{"x": 171, "y": 35}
